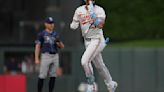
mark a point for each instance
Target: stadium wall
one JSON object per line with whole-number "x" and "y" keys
{"x": 135, "y": 70}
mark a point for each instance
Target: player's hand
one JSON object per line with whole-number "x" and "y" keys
{"x": 59, "y": 72}
{"x": 107, "y": 40}
{"x": 60, "y": 44}
{"x": 37, "y": 61}
{"x": 99, "y": 22}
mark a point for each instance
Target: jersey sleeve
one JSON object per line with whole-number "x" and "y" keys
{"x": 75, "y": 21}
{"x": 101, "y": 13}
{"x": 39, "y": 38}
{"x": 76, "y": 17}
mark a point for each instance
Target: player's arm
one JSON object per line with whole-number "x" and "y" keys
{"x": 75, "y": 22}
{"x": 59, "y": 43}
{"x": 99, "y": 18}
{"x": 38, "y": 42}
{"x": 99, "y": 22}
{"x": 37, "y": 52}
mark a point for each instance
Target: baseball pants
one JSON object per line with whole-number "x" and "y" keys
{"x": 94, "y": 47}
{"x": 49, "y": 65}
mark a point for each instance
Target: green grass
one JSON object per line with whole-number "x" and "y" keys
{"x": 139, "y": 43}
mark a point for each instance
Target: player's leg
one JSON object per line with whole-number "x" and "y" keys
{"x": 94, "y": 47}
{"x": 52, "y": 77}
{"x": 40, "y": 84}
{"x": 104, "y": 72}
{"x": 86, "y": 60}
{"x": 43, "y": 71}
{"x": 53, "y": 71}
{"x": 52, "y": 84}
{"x": 87, "y": 57}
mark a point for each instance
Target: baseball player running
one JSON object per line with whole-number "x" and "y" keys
{"x": 47, "y": 43}
{"x": 91, "y": 18}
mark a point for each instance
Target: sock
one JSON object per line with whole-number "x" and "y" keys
{"x": 40, "y": 84}
{"x": 90, "y": 80}
{"x": 51, "y": 84}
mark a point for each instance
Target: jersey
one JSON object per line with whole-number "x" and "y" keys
{"x": 48, "y": 41}
{"x": 82, "y": 16}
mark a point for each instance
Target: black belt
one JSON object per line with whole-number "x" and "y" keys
{"x": 50, "y": 52}
{"x": 87, "y": 39}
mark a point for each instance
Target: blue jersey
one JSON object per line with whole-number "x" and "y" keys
{"x": 48, "y": 41}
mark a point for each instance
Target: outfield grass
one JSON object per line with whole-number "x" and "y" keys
{"x": 139, "y": 43}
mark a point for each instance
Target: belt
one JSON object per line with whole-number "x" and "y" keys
{"x": 50, "y": 52}
{"x": 87, "y": 39}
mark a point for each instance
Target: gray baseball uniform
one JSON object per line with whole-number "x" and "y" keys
{"x": 49, "y": 65}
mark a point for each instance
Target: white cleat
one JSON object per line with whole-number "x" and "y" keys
{"x": 92, "y": 88}
{"x": 114, "y": 87}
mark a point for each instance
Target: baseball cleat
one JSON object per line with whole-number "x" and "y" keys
{"x": 114, "y": 87}
{"x": 92, "y": 88}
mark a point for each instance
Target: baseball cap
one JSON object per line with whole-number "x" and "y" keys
{"x": 49, "y": 20}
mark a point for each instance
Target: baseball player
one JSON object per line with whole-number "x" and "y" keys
{"x": 47, "y": 43}
{"x": 91, "y": 19}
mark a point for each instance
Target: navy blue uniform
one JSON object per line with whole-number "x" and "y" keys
{"x": 48, "y": 41}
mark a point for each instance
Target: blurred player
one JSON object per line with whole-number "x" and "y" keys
{"x": 47, "y": 43}
{"x": 91, "y": 18}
